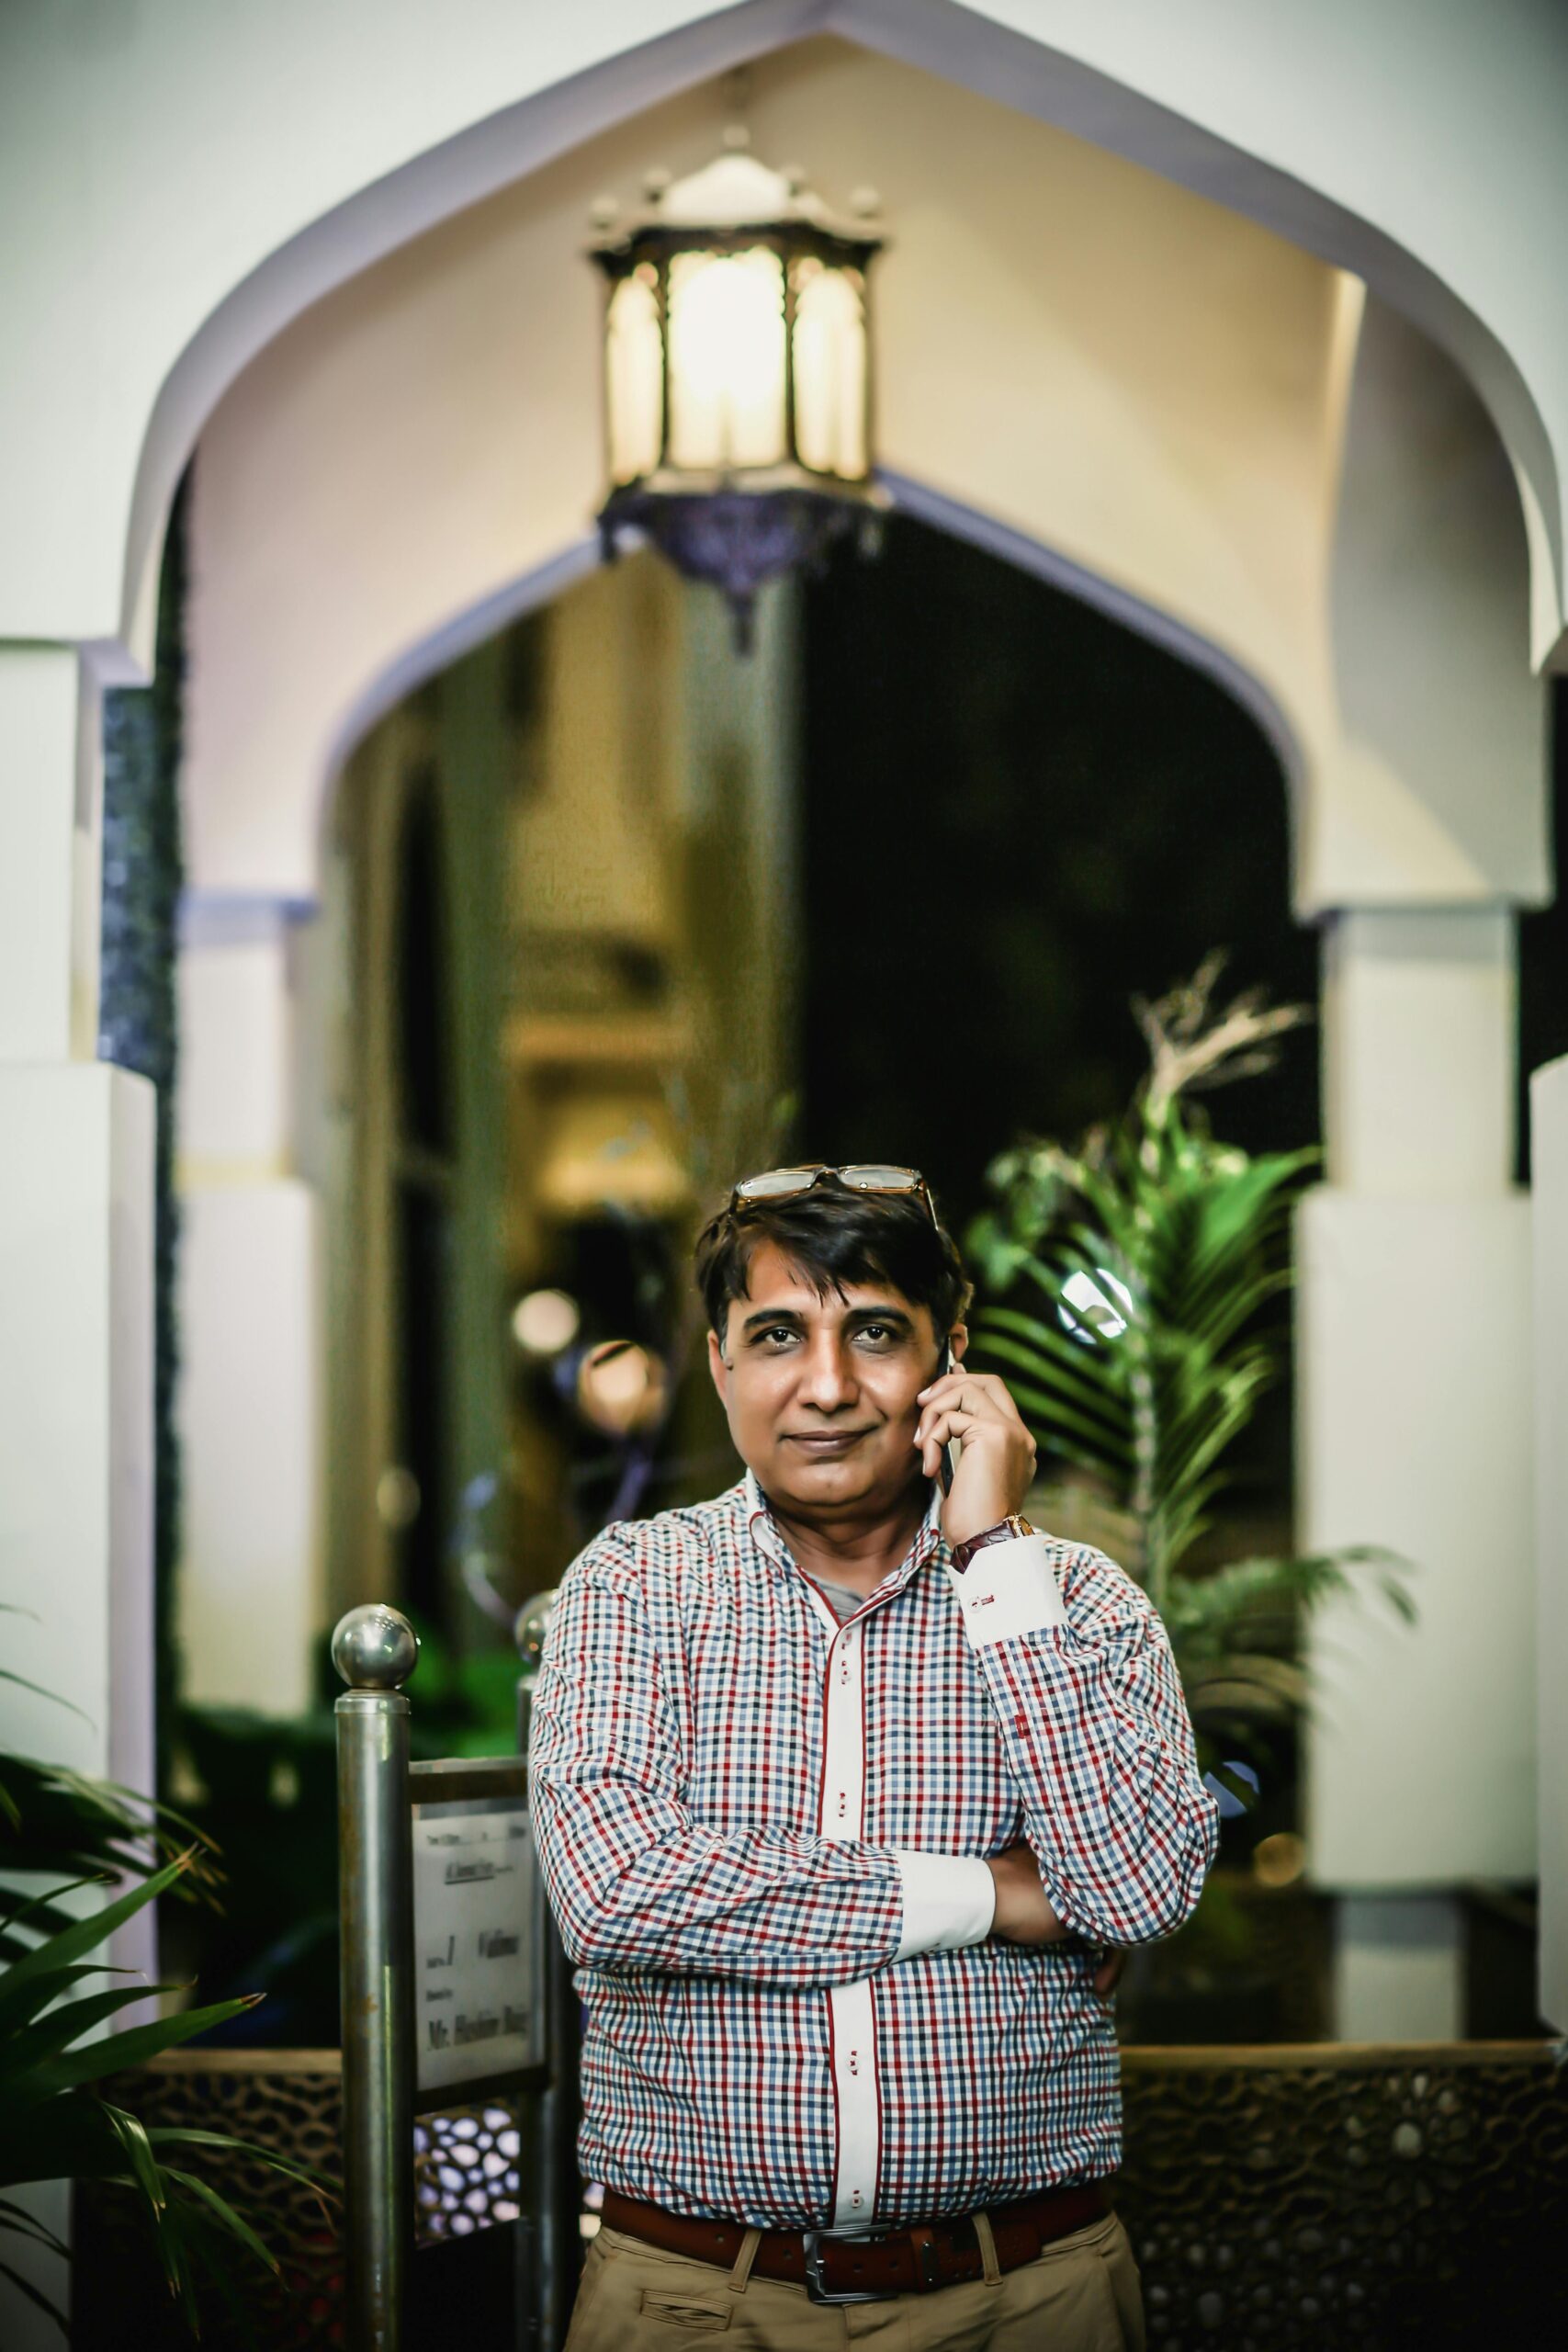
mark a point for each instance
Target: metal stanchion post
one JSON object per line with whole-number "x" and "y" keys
{"x": 374, "y": 1651}
{"x": 544, "y": 2285}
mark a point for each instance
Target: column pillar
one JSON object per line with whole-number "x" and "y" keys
{"x": 1549, "y": 1168}
{"x": 251, "y": 1282}
{"x": 75, "y": 1254}
{"x": 1414, "y": 1433}
{"x": 76, "y": 1198}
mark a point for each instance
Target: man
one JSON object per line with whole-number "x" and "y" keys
{"x": 841, "y": 1791}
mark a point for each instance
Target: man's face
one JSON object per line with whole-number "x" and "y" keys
{"x": 821, "y": 1391}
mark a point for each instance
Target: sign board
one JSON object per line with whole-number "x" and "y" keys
{"x": 478, "y": 1930}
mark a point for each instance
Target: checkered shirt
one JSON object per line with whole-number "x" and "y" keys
{"x": 729, "y": 1859}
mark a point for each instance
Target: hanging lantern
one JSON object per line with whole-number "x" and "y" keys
{"x": 737, "y": 376}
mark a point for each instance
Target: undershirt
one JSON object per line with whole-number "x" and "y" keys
{"x": 840, "y": 1599}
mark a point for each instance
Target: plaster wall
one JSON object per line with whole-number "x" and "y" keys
{"x": 264, "y": 154}
{"x": 76, "y": 1413}
{"x": 1549, "y": 1145}
{"x": 1074, "y": 357}
{"x": 1413, "y": 1345}
{"x": 251, "y": 1590}
{"x": 250, "y": 1400}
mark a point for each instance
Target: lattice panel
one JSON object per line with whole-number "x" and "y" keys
{"x": 1357, "y": 2204}
{"x": 465, "y": 2171}
{"x": 119, "y": 2299}
{"x": 1313, "y": 2199}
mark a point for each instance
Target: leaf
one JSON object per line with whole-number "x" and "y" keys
{"x": 26, "y": 2287}
{"x": 131, "y": 2133}
{"x": 35, "y": 1998}
{"x": 226, "y": 2216}
{"x": 44, "y": 1903}
{"x": 182, "y": 2135}
{"x": 118, "y": 2052}
{"x": 1049, "y": 1416}
{"x": 59, "y": 2027}
{"x": 39, "y": 1692}
{"x": 87, "y": 1933}
{"x": 27, "y": 2225}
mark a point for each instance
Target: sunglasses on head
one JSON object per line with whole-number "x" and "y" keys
{"x": 787, "y": 1184}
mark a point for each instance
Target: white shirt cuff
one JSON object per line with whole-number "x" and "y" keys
{"x": 950, "y": 1900}
{"x": 1008, "y": 1588}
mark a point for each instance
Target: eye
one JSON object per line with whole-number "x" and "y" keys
{"x": 877, "y": 1335}
{"x": 779, "y": 1338}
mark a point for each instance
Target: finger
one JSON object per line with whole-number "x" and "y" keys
{"x": 1108, "y": 1975}
{"x": 979, "y": 1383}
{"x": 939, "y": 1426}
{"x": 1002, "y": 1413}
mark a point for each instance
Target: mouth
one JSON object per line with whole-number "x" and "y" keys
{"x": 825, "y": 1445}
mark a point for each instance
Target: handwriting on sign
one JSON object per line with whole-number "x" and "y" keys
{"x": 477, "y": 1931}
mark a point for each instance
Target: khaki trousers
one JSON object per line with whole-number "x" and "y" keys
{"x": 1079, "y": 2295}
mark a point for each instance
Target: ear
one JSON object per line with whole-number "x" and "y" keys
{"x": 958, "y": 1340}
{"x": 719, "y": 1369}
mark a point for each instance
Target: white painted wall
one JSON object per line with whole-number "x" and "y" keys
{"x": 76, "y": 1412}
{"x": 250, "y": 1403}
{"x": 1437, "y": 756}
{"x": 38, "y": 728}
{"x": 251, "y": 1419}
{"x": 1418, "y": 1063}
{"x": 1414, "y": 1398}
{"x": 1153, "y": 405}
{"x": 264, "y": 154}
{"x": 1549, "y": 1158}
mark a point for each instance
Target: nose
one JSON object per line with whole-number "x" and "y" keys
{"x": 828, "y": 1381}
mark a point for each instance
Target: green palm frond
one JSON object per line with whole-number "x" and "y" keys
{"x": 1197, "y": 1236}
{"x": 72, "y": 1832}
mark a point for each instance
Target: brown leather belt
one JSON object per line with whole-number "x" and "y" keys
{"x": 872, "y": 2265}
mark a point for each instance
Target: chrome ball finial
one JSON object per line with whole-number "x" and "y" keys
{"x": 529, "y": 1629}
{"x": 375, "y": 1648}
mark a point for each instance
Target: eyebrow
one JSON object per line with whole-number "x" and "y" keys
{"x": 767, "y": 1317}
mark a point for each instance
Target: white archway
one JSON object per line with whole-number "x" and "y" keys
{"x": 1299, "y": 125}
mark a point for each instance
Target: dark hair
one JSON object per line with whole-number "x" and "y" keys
{"x": 836, "y": 1236}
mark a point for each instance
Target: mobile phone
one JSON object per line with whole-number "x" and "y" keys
{"x": 948, "y": 1460}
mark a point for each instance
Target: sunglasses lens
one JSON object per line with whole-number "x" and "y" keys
{"x": 880, "y": 1180}
{"x": 773, "y": 1183}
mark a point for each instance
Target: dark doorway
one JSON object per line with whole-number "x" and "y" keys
{"x": 1018, "y": 815}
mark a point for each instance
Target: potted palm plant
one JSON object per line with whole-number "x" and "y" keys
{"x": 70, "y": 1832}
{"x": 1128, "y": 1282}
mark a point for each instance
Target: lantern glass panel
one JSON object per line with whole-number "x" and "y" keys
{"x": 829, "y": 369}
{"x": 726, "y": 359}
{"x": 634, "y": 376}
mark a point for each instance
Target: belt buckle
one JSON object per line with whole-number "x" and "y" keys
{"x": 817, "y": 2288}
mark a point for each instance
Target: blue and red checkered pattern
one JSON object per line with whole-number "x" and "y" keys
{"x": 677, "y": 1755}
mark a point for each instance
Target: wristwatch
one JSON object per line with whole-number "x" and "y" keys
{"x": 1003, "y": 1532}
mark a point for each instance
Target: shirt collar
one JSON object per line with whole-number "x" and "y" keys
{"x": 768, "y": 1537}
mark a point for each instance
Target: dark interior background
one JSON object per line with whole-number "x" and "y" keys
{"x": 1018, "y": 815}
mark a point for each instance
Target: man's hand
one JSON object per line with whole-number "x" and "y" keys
{"x": 997, "y": 1461}
{"x": 1024, "y": 1914}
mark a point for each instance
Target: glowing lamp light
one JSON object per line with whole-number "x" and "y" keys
{"x": 545, "y": 1321}
{"x": 737, "y": 374}
{"x": 621, "y": 1388}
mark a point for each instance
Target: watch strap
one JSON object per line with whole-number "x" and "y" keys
{"x": 1006, "y": 1530}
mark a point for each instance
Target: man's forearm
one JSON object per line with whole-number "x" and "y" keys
{"x": 635, "y": 1885}
{"x": 1097, "y": 1733}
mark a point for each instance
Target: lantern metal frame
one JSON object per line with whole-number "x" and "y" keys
{"x": 739, "y": 525}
